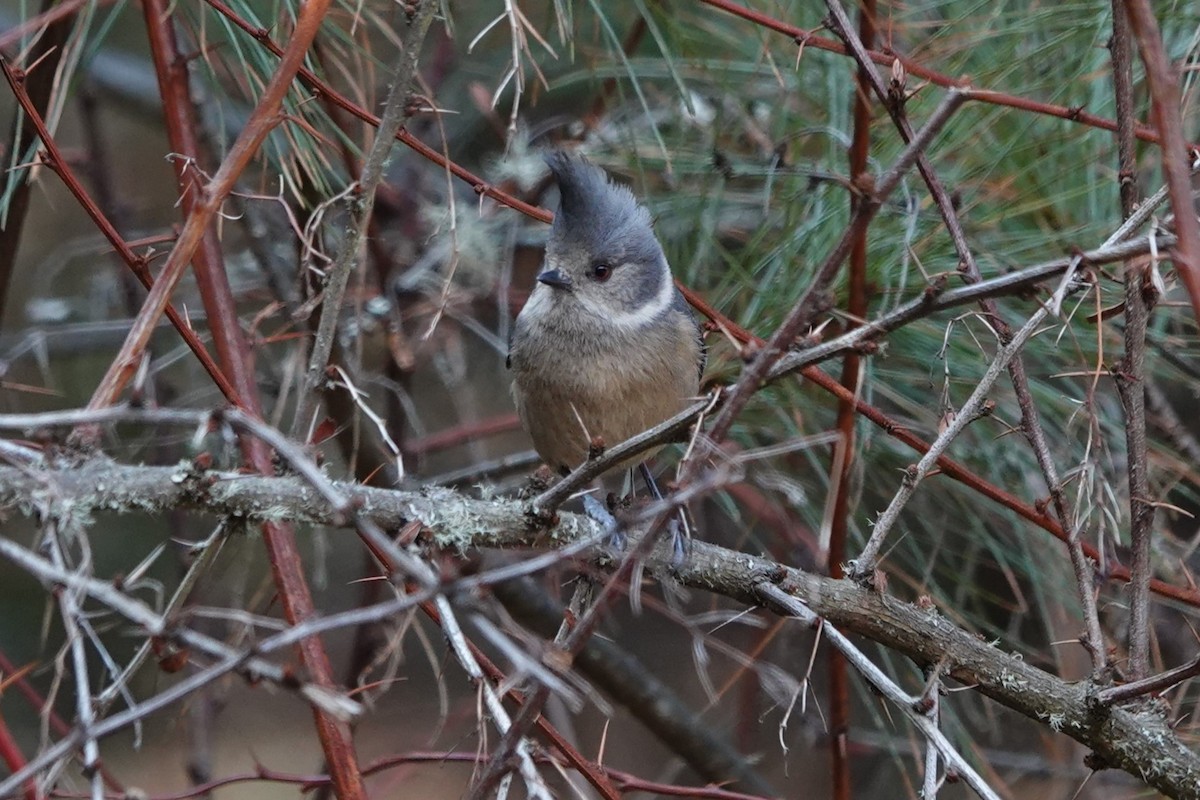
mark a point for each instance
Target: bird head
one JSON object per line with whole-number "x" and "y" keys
{"x": 602, "y": 253}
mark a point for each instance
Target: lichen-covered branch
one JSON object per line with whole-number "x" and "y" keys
{"x": 1133, "y": 738}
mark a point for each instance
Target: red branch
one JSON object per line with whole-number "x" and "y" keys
{"x": 624, "y": 780}
{"x": 263, "y": 119}
{"x": 14, "y": 759}
{"x": 888, "y": 56}
{"x": 1176, "y": 163}
{"x": 54, "y": 159}
{"x": 217, "y": 295}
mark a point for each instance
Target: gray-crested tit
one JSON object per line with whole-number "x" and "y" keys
{"x": 606, "y": 346}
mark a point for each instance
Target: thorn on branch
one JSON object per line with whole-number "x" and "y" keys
{"x": 863, "y": 184}
{"x": 290, "y": 680}
{"x": 985, "y": 410}
{"x": 897, "y": 96}
{"x": 170, "y": 656}
{"x": 596, "y": 448}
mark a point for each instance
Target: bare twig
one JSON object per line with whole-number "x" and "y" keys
{"x": 228, "y": 659}
{"x": 318, "y": 86}
{"x": 835, "y": 530}
{"x": 1154, "y": 683}
{"x": 264, "y": 118}
{"x": 1176, "y": 161}
{"x": 1141, "y": 743}
{"x": 778, "y": 599}
{"x": 669, "y": 430}
{"x": 396, "y": 112}
{"x": 1130, "y": 378}
{"x": 624, "y": 780}
{"x": 868, "y": 559}
{"x": 806, "y": 307}
{"x": 887, "y": 58}
{"x": 1031, "y": 424}
{"x": 61, "y": 167}
{"x": 649, "y": 698}
{"x": 71, "y": 610}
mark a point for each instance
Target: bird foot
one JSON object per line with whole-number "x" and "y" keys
{"x": 616, "y": 539}
{"x": 681, "y": 540}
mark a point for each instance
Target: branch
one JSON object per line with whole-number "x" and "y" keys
{"x": 863, "y": 566}
{"x": 1176, "y": 160}
{"x": 1135, "y": 740}
{"x": 889, "y": 57}
{"x": 61, "y": 167}
{"x": 396, "y": 112}
{"x": 263, "y": 119}
{"x": 780, "y": 601}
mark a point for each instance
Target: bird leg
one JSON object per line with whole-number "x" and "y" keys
{"x": 681, "y": 532}
{"x": 600, "y": 513}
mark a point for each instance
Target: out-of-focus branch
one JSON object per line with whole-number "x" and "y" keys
{"x": 835, "y": 528}
{"x": 806, "y": 308}
{"x": 1176, "y": 155}
{"x": 47, "y": 54}
{"x": 644, "y": 695}
{"x": 321, "y": 88}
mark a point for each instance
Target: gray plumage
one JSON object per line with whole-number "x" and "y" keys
{"x": 606, "y": 346}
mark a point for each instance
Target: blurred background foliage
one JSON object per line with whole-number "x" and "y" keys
{"x": 737, "y": 140}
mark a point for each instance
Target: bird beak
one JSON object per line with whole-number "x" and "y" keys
{"x": 556, "y": 279}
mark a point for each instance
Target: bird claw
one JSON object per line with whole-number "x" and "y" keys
{"x": 681, "y": 537}
{"x": 616, "y": 538}
{"x": 681, "y": 541}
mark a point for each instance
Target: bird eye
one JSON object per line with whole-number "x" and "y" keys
{"x": 601, "y": 272}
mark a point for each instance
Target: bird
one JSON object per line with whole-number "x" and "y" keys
{"x": 606, "y": 346}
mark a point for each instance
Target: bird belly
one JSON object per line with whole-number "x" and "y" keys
{"x": 598, "y": 400}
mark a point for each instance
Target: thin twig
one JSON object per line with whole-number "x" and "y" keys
{"x": 785, "y": 603}
{"x": 1154, "y": 683}
{"x": 262, "y": 120}
{"x": 805, "y": 38}
{"x": 1130, "y": 377}
{"x": 1031, "y": 424}
{"x": 666, "y": 431}
{"x": 806, "y": 308}
{"x": 1163, "y": 79}
{"x": 61, "y": 166}
{"x": 71, "y": 611}
{"x": 868, "y": 559}
{"x": 1141, "y": 743}
{"x": 835, "y": 530}
{"x": 396, "y": 112}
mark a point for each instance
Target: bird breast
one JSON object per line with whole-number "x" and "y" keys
{"x": 576, "y": 379}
